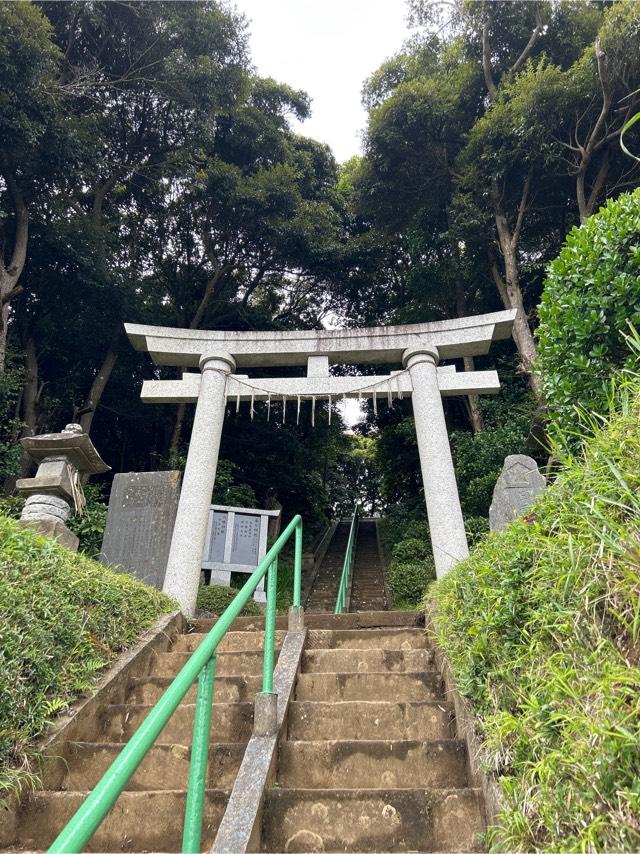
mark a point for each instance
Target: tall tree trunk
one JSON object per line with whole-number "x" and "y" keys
{"x": 473, "y": 400}
{"x": 509, "y": 285}
{"x": 174, "y": 444}
{"x": 10, "y": 274}
{"x": 30, "y": 395}
{"x": 99, "y": 383}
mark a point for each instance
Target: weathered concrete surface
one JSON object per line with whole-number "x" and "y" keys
{"x": 465, "y": 336}
{"x": 247, "y": 662}
{"x": 54, "y": 528}
{"x": 166, "y": 766}
{"x": 367, "y": 639}
{"x": 229, "y": 722}
{"x": 519, "y": 484}
{"x": 363, "y": 686}
{"x": 148, "y": 815}
{"x": 239, "y": 830}
{"x": 140, "y": 520}
{"x": 376, "y": 764}
{"x": 341, "y": 622}
{"x": 368, "y": 588}
{"x": 139, "y": 821}
{"x": 182, "y": 577}
{"x": 373, "y": 820}
{"x": 446, "y": 525}
{"x": 146, "y": 690}
{"x": 369, "y": 720}
{"x": 367, "y": 660}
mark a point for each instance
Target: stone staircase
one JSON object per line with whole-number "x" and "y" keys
{"x": 148, "y": 814}
{"x": 371, "y": 761}
{"x": 368, "y": 591}
{"x": 324, "y": 591}
{"x": 368, "y": 761}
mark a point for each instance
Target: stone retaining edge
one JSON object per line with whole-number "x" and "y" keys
{"x": 240, "y": 829}
{"x": 465, "y": 724}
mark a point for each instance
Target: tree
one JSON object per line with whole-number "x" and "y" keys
{"x": 28, "y": 119}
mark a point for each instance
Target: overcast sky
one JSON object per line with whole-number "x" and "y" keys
{"x": 328, "y": 48}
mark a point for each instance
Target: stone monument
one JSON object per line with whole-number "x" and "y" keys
{"x": 140, "y": 519}
{"x": 519, "y": 483}
{"x": 64, "y": 460}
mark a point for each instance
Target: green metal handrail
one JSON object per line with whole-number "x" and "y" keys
{"x": 348, "y": 561}
{"x": 201, "y": 665}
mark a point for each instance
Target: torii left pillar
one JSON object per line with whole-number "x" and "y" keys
{"x": 182, "y": 577}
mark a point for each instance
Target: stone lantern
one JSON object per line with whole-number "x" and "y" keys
{"x": 64, "y": 460}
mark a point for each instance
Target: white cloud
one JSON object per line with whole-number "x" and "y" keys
{"x": 328, "y": 48}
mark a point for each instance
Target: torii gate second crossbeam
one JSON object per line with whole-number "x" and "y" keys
{"x": 419, "y": 347}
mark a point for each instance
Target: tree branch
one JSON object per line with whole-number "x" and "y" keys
{"x": 486, "y": 63}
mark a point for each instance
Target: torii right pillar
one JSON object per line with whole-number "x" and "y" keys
{"x": 446, "y": 525}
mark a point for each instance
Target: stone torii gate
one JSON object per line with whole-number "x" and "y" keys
{"x": 418, "y": 347}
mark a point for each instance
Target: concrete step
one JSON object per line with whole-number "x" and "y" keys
{"x": 227, "y": 689}
{"x": 369, "y": 721}
{"x": 227, "y": 664}
{"x": 231, "y": 642}
{"x": 364, "y": 620}
{"x": 373, "y": 764}
{"x": 421, "y": 685}
{"x": 367, "y": 660}
{"x": 230, "y": 722}
{"x": 372, "y": 820}
{"x": 390, "y": 638}
{"x": 138, "y": 821}
{"x": 166, "y": 766}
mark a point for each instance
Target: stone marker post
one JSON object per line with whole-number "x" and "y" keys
{"x": 182, "y": 578}
{"x": 516, "y": 489}
{"x": 446, "y": 525}
{"x": 64, "y": 459}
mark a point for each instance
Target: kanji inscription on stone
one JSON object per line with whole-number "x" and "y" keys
{"x": 246, "y": 539}
{"x": 218, "y": 536}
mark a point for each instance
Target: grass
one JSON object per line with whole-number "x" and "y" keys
{"x": 542, "y": 627}
{"x": 63, "y": 618}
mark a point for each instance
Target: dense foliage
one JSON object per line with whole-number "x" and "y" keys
{"x": 62, "y": 619}
{"x": 541, "y": 627}
{"x": 591, "y": 295}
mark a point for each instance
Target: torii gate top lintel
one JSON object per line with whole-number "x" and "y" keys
{"x": 464, "y": 336}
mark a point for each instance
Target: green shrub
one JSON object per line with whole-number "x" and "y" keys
{"x": 408, "y": 581}
{"x": 411, "y": 549}
{"x": 63, "y": 617}
{"x": 215, "y": 598}
{"x": 591, "y": 293}
{"x": 476, "y": 527}
{"x": 89, "y": 527}
{"x": 541, "y": 625}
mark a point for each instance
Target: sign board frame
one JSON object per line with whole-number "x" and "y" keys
{"x": 220, "y": 570}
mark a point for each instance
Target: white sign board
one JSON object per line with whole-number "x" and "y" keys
{"x": 236, "y": 541}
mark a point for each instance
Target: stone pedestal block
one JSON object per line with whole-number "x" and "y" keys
{"x": 51, "y": 527}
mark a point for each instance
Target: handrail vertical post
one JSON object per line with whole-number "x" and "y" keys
{"x": 297, "y": 568}
{"x": 192, "y": 830}
{"x": 270, "y": 628}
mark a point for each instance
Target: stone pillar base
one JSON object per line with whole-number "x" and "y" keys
{"x": 265, "y": 716}
{"x": 55, "y": 528}
{"x": 296, "y": 619}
